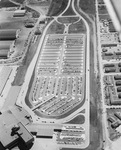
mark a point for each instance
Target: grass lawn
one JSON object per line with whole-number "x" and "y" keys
{"x": 69, "y": 11}
{"x": 106, "y": 16}
{"x": 56, "y": 7}
{"x": 102, "y": 9}
{"x": 88, "y": 6}
{"x": 35, "y": 14}
{"x": 6, "y": 3}
{"x": 18, "y": 1}
{"x": 80, "y": 119}
{"x": 68, "y": 19}
{"x": 39, "y": 3}
{"x": 78, "y": 27}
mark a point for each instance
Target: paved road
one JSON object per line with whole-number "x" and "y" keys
{"x": 7, "y": 87}
{"x": 87, "y": 98}
{"x": 104, "y": 120}
{"x": 21, "y": 98}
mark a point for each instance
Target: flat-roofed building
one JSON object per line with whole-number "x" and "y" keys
{"x": 114, "y": 9}
{"x": 48, "y": 133}
{"x": 9, "y": 34}
{"x": 19, "y": 13}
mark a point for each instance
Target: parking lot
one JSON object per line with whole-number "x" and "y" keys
{"x": 71, "y": 137}
{"x": 59, "y": 83}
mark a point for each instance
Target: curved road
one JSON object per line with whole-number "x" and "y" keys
{"x": 21, "y": 97}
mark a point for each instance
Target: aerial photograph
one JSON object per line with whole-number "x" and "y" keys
{"x": 60, "y": 74}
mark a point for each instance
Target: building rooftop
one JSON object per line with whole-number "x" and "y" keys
{"x": 8, "y": 34}
{"x": 20, "y": 11}
{"x": 12, "y": 131}
{"x": 114, "y": 9}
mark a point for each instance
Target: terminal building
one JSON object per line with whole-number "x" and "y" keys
{"x": 13, "y": 133}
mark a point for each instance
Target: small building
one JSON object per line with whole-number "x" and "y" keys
{"x": 111, "y": 119}
{"x": 29, "y": 23}
{"x": 118, "y": 53}
{"x": 37, "y": 32}
{"x": 117, "y": 77}
{"x": 111, "y": 27}
{"x": 109, "y": 65}
{"x": 118, "y": 83}
{"x": 118, "y": 115}
{"x": 119, "y": 89}
{"x": 42, "y": 22}
{"x": 108, "y": 54}
{"x": 119, "y": 64}
{"x": 109, "y": 45}
{"x": 19, "y": 13}
{"x": 8, "y": 34}
{"x": 107, "y": 70}
{"x": 115, "y": 125}
{"x": 119, "y": 96}
{"x": 115, "y": 101}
